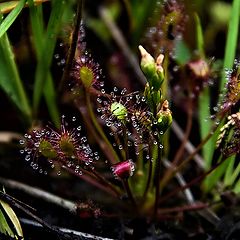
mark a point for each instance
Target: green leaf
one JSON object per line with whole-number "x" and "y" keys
{"x": 4, "y": 227}
{"x": 7, "y": 22}
{"x": 10, "y": 81}
{"x": 13, "y": 218}
{"x": 199, "y": 35}
{"x": 215, "y": 176}
{"x": 232, "y": 38}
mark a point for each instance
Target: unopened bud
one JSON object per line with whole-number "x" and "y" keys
{"x": 123, "y": 170}
{"x": 147, "y": 62}
{"x": 164, "y": 117}
{"x": 152, "y": 69}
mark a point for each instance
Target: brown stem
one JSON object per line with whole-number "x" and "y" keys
{"x": 72, "y": 48}
{"x": 106, "y": 182}
{"x": 90, "y": 178}
{"x": 129, "y": 193}
{"x": 199, "y": 178}
{"x": 173, "y": 170}
{"x": 180, "y": 151}
{"x": 194, "y": 207}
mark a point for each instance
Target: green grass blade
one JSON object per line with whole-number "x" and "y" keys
{"x": 215, "y": 176}
{"x": 7, "y": 22}
{"x": 230, "y": 179}
{"x": 38, "y": 36}
{"x": 204, "y": 103}
{"x": 45, "y": 59}
{"x": 12, "y": 218}
{"x": 10, "y": 81}
{"x": 229, "y": 176}
{"x": 50, "y": 98}
{"x": 199, "y": 35}
{"x": 230, "y": 50}
{"x": 232, "y": 38}
{"x": 4, "y": 227}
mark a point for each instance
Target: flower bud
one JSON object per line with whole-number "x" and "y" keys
{"x": 147, "y": 63}
{"x": 123, "y": 170}
{"x": 152, "y": 69}
{"x": 160, "y": 71}
{"x": 164, "y": 117}
{"x": 119, "y": 111}
{"x": 47, "y": 150}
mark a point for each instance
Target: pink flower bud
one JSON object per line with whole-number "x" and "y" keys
{"x": 123, "y": 170}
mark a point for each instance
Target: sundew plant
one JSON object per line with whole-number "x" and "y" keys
{"x": 150, "y": 122}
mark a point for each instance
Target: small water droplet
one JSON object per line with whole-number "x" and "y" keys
{"x": 56, "y": 56}
{"x": 27, "y": 158}
{"x": 21, "y": 141}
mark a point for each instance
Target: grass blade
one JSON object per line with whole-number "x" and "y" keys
{"x": 45, "y": 58}
{"x": 204, "y": 103}
{"x": 7, "y": 22}
{"x": 12, "y": 218}
{"x": 10, "y": 81}
{"x": 232, "y": 38}
{"x": 199, "y": 35}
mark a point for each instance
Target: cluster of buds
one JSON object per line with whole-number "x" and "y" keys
{"x": 154, "y": 73}
{"x": 63, "y": 146}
